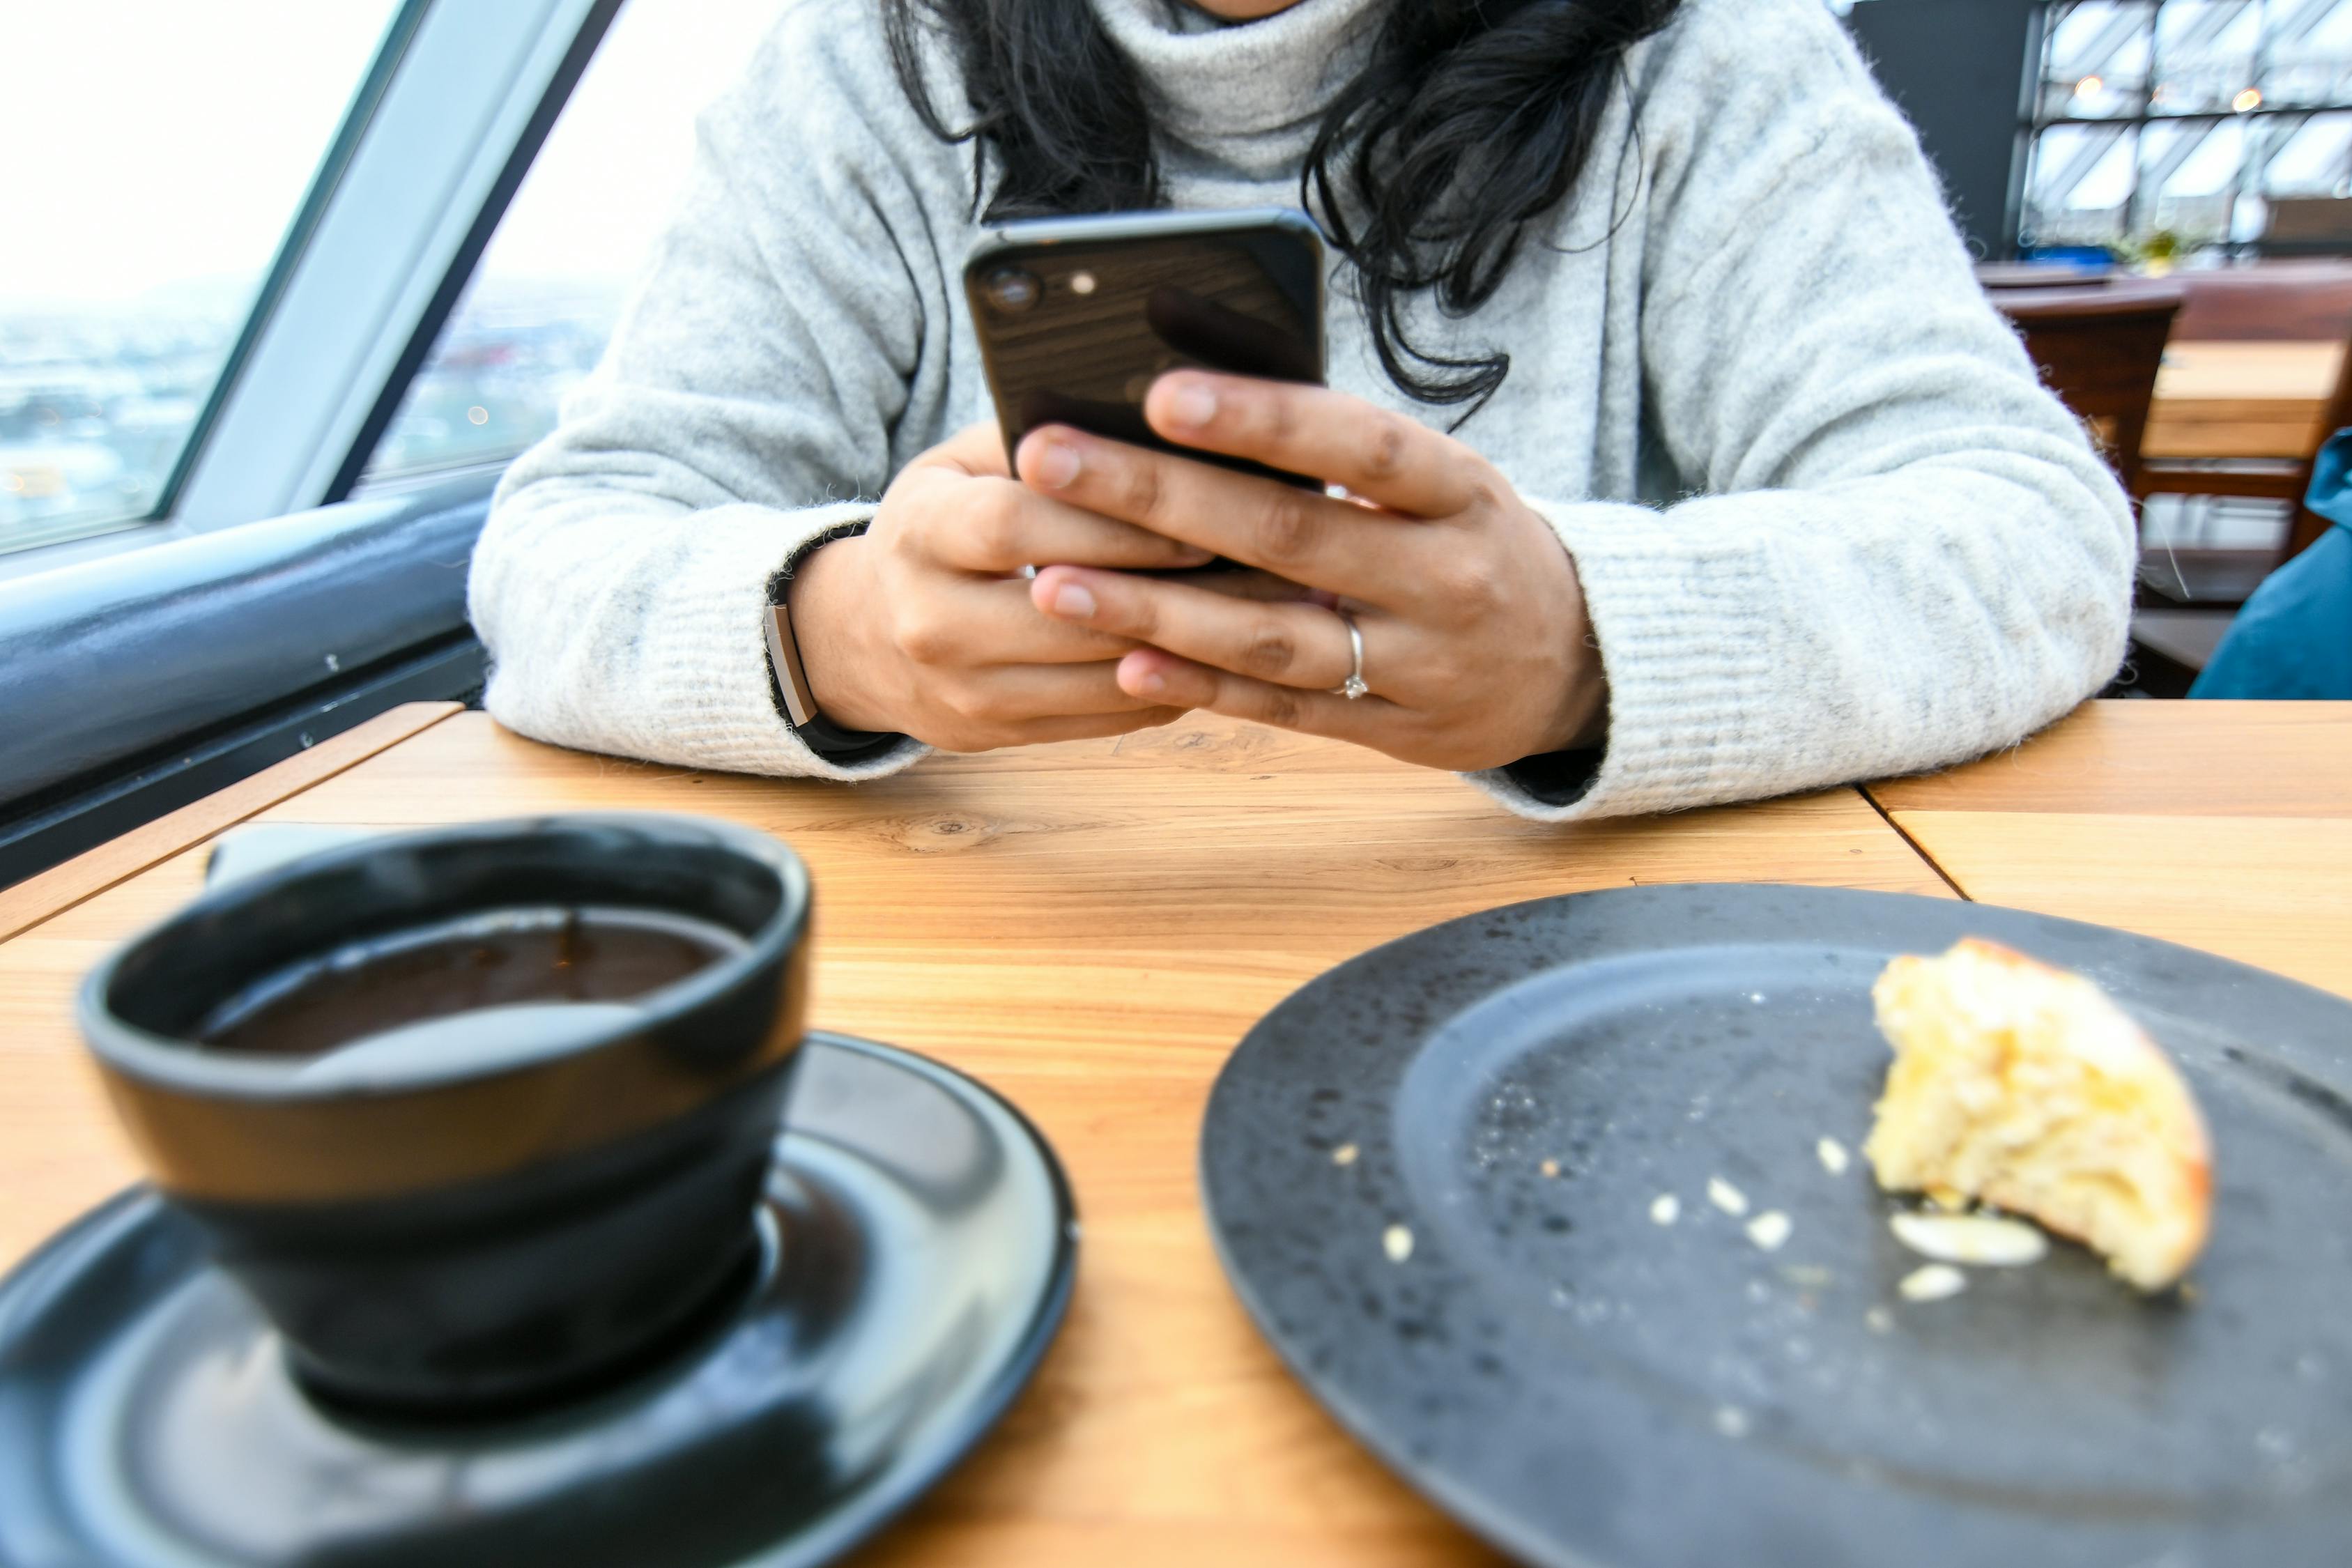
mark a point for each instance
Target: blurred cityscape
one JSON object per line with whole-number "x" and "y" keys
{"x": 513, "y": 347}
{"x": 96, "y": 403}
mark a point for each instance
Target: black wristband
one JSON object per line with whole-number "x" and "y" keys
{"x": 836, "y": 743}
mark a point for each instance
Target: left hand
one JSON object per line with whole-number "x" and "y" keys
{"x": 1477, "y": 646}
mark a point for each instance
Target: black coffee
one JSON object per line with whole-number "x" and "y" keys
{"x": 500, "y": 976}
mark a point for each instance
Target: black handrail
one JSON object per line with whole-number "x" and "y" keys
{"x": 132, "y": 685}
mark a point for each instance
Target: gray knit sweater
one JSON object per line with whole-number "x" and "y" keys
{"x": 1829, "y": 525}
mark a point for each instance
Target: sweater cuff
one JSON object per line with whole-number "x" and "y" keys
{"x": 727, "y": 609}
{"x": 692, "y": 686}
{"x": 1668, "y": 604}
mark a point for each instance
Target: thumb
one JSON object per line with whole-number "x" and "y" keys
{"x": 976, "y": 449}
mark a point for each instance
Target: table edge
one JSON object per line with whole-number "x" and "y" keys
{"x": 44, "y": 895}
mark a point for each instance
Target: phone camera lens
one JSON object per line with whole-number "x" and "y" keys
{"x": 1013, "y": 290}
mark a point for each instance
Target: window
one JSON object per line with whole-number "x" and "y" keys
{"x": 536, "y": 314}
{"x": 158, "y": 152}
{"x": 2189, "y": 116}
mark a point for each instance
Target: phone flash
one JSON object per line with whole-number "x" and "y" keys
{"x": 1082, "y": 282}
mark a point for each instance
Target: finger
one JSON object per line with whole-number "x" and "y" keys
{"x": 1093, "y": 726}
{"x": 1374, "y": 452}
{"x": 997, "y": 526}
{"x": 1020, "y": 693}
{"x": 977, "y": 450}
{"x": 1163, "y": 677}
{"x": 1248, "y": 583}
{"x": 1295, "y": 533}
{"x": 992, "y": 623}
{"x": 1071, "y": 727}
{"x": 1290, "y": 643}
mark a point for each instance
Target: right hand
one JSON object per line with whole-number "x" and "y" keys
{"x": 922, "y": 625}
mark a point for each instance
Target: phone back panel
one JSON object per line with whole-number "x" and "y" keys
{"x": 1075, "y": 330}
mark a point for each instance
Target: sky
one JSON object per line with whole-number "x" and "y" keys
{"x": 610, "y": 174}
{"x": 153, "y": 144}
{"x": 155, "y": 141}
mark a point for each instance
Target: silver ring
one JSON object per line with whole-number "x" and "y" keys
{"x": 1353, "y": 687}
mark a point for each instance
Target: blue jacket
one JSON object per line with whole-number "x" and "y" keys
{"x": 2294, "y": 638}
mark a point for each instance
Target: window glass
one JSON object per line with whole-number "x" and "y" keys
{"x": 2311, "y": 66}
{"x": 158, "y": 150}
{"x": 2206, "y": 54}
{"x": 2189, "y": 119}
{"x": 2313, "y": 158}
{"x": 2096, "y": 60}
{"x": 535, "y": 316}
{"x": 2081, "y": 179}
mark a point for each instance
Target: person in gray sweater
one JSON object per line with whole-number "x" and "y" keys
{"x": 1754, "y": 493}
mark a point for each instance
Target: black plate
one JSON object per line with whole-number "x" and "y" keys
{"x": 146, "y": 1417}
{"x": 1585, "y": 1386}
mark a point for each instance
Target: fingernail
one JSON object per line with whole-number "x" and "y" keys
{"x": 1055, "y": 467}
{"x": 1073, "y": 601}
{"x": 1153, "y": 683}
{"x": 1193, "y": 406}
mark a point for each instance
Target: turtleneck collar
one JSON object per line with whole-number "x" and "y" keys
{"x": 1248, "y": 95}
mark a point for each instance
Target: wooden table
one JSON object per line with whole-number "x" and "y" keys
{"x": 1090, "y": 928}
{"x": 2223, "y": 826}
{"x": 2242, "y": 399}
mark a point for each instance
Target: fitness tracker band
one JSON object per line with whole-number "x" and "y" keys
{"x": 794, "y": 699}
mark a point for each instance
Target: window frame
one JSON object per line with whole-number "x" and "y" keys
{"x": 436, "y": 157}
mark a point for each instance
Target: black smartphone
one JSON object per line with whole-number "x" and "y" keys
{"x": 1078, "y": 316}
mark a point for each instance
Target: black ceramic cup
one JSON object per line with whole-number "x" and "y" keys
{"x": 546, "y": 1194}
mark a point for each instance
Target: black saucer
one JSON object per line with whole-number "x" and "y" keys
{"x": 146, "y": 1416}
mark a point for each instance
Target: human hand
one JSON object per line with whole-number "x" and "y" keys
{"x": 920, "y": 626}
{"x": 1477, "y": 649}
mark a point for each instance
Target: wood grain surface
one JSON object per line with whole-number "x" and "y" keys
{"x": 2223, "y": 826}
{"x": 2157, "y": 759}
{"x": 1089, "y": 928}
{"x": 2274, "y": 892}
{"x": 2242, "y": 399}
{"x": 43, "y": 894}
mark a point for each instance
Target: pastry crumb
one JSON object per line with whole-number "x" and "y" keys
{"x": 1932, "y": 1282}
{"x": 1993, "y": 1241}
{"x": 1397, "y": 1242}
{"x": 1665, "y": 1208}
{"x": 1834, "y": 1157}
{"x": 1549, "y": 1168}
{"x": 1344, "y": 1154}
{"x": 1770, "y": 1230}
{"x": 1725, "y": 1196}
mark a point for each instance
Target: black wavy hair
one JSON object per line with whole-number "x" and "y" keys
{"x": 1473, "y": 118}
